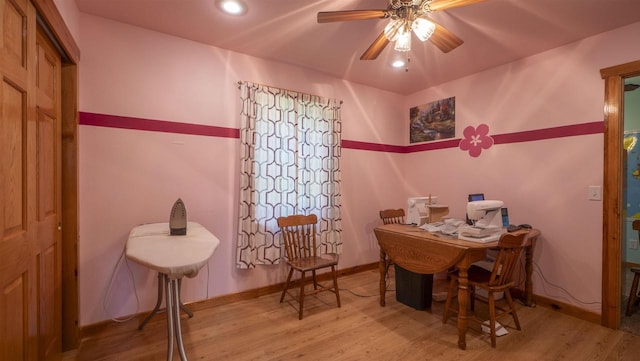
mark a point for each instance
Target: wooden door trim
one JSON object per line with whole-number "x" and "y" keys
{"x": 612, "y": 200}
{"x": 69, "y": 170}
{"x": 53, "y": 21}
{"x": 48, "y": 11}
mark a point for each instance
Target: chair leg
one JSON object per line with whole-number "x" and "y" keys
{"x": 335, "y": 284}
{"x": 633, "y": 294}
{"x": 301, "y": 296}
{"x": 315, "y": 280}
{"x": 492, "y": 318}
{"x": 447, "y": 305}
{"x": 286, "y": 285}
{"x": 512, "y": 308}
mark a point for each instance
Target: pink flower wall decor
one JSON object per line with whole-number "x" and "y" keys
{"x": 476, "y": 139}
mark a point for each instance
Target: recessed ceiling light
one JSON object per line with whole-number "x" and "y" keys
{"x": 233, "y": 7}
{"x": 398, "y": 64}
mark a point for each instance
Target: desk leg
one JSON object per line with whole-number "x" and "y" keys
{"x": 383, "y": 277}
{"x": 528, "y": 284}
{"x": 170, "y": 325}
{"x": 463, "y": 302}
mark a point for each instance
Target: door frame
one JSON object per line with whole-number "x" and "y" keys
{"x": 613, "y": 191}
{"x": 51, "y": 21}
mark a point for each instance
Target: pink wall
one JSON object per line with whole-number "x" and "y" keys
{"x": 544, "y": 183}
{"x": 128, "y": 177}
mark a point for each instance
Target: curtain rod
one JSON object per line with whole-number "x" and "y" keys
{"x": 240, "y": 82}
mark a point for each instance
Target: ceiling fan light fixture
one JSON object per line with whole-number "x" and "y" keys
{"x": 403, "y": 42}
{"x": 391, "y": 30}
{"x": 423, "y": 28}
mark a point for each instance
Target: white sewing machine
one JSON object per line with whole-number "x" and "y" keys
{"x": 418, "y": 210}
{"x": 486, "y": 216}
{"x": 421, "y": 210}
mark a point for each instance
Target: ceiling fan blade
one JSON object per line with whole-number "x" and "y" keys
{"x": 631, "y": 87}
{"x": 376, "y": 48}
{"x": 444, "y": 39}
{"x": 437, "y": 5}
{"x": 331, "y": 16}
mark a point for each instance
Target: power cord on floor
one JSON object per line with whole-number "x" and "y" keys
{"x": 356, "y": 294}
{"x": 207, "y": 280}
{"x": 545, "y": 280}
{"x": 108, "y": 290}
{"x": 387, "y": 284}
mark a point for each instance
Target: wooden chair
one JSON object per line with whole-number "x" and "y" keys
{"x": 299, "y": 236}
{"x": 392, "y": 216}
{"x": 500, "y": 279}
{"x": 633, "y": 293}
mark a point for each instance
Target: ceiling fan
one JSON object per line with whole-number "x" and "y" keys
{"x": 405, "y": 16}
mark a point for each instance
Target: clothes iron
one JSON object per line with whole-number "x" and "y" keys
{"x": 178, "y": 219}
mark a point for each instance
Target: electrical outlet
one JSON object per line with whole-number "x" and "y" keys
{"x": 595, "y": 193}
{"x": 633, "y": 244}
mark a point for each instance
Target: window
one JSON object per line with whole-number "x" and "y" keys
{"x": 290, "y": 152}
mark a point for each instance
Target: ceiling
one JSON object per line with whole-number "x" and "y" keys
{"x": 495, "y": 32}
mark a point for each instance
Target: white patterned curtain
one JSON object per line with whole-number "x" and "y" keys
{"x": 289, "y": 164}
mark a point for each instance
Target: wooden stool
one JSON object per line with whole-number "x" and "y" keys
{"x": 633, "y": 294}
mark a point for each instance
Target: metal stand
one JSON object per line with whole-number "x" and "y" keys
{"x": 173, "y": 317}
{"x": 156, "y": 309}
{"x": 174, "y": 305}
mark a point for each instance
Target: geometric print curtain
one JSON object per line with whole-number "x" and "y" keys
{"x": 289, "y": 164}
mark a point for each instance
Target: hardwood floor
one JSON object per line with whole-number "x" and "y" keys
{"x": 264, "y": 329}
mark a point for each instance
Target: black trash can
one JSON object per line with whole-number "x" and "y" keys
{"x": 413, "y": 289}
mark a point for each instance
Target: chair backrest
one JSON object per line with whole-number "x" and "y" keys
{"x": 510, "y": 248}
{"x": 392, "y": 216}
{"x": 636, "y": 225}
{"x": 299, "y": 235}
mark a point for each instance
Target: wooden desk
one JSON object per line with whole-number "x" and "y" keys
{"x": 424, "y": 252}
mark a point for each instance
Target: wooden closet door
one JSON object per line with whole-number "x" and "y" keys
{"x": 48, "y": 195}
{"x": 29, "y": 188}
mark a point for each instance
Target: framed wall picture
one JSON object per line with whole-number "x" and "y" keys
{"x": 433, "y": 121}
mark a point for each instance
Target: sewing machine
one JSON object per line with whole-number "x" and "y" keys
{"x": 422, "y": 210}
{"x": 418, "y": 209}
{"x": 486, "y": 216}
